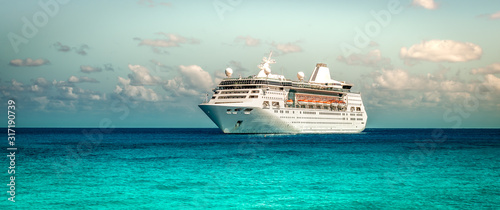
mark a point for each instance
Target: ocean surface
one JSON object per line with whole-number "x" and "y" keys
{"x": 203, "y": 168}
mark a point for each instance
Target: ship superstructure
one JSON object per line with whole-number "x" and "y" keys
{"x": 270, "y": 103}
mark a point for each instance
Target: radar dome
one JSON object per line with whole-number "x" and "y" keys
{"x": 229, "y": 72}
{"x": 300, "y": 75}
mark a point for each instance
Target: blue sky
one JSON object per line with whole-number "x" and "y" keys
{"x": 141, "y": 63}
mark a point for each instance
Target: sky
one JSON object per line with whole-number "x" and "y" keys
{"x": 149, "y": 63}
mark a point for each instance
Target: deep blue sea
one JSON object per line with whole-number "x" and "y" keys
{"x": 203, "y": 168}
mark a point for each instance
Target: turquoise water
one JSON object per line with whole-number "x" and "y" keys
{"x": 202, "y": 168}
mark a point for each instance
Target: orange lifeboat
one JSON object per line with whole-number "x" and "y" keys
{"x": 289, "y": 102}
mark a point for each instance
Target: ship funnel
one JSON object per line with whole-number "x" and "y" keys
{"x": 321, "y": 74}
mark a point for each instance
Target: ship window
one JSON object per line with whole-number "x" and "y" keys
{"x": 213, "y": 97}
{"x": 231, "y": 97}
{"x": 228, "y": 110}
{"x": 255, "y": 91}
{"x": 237, "y": 110}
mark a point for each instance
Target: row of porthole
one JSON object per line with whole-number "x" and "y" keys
{"x": 246, "y": 111}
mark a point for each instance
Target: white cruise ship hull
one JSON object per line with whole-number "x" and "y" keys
{"x": 270, "y": 103}
{"x": 238, "y": 119}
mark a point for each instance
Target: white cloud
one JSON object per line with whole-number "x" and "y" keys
{"x": 41, "y": 81}
{"x": 61, "y": 47}
{"x": 491, "y": 69}
{"x": 193, "y": 81}
{"x": 40, "y": 94}
{"x": 492, "y": 81}
{"x": 196, "y": 77}
{"x": 398, "y": 88}
{"x": 60, "y": 83}
{"x": 495, "y": 15}
{"x": 28, "y": 62}
{"x": 373, "y": 59}
{"x": 89, "y": 69}
{"x": 135, "y": 92}
{"x": 249, "y": 41}
{"x": 35, "y": 88}
{"x": 59, "y": 105}
{"x": 95, "y": 97}
{"x": 43, "y": 101}
{"x": 40, "y": 84}
{"x": 74, "y": 79}
{"x": 179, "y": 88}
{"x": 173, "y": 40}
{"x": 287, "y": 48}
{"x": 17, "y": 85}
{"x": 394, "y": 80}
{"x": 441, "y": 50}
{"x": 427, "y": 4}
{"x": 431, "y": 96}
{"x": 81, "y": 50}
{"x": 67, "y": 93}
{"x": 491, "y": 16}
{"x": 141, "y": 76}
{"x": 65, "y": 48}
{"x": 399, "y": 79}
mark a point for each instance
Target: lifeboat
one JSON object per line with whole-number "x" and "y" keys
{"x": 316, "y": 103}
{"x": 308, "y": 102}
{"x": 342, "y": 105}
{"x": 289, "y": 102}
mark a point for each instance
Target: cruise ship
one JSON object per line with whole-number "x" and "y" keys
{"x": 269, "y": 103}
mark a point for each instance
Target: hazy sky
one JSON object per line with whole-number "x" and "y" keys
{"x": 141, "y": 63}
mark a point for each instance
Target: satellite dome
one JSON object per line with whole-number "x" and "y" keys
{"x": 229, "y": 72}
{"x": 300, "y": 75}
{"x": 267, "y": 71}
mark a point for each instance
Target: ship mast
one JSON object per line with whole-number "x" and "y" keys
{"x": 265, "y": 65}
